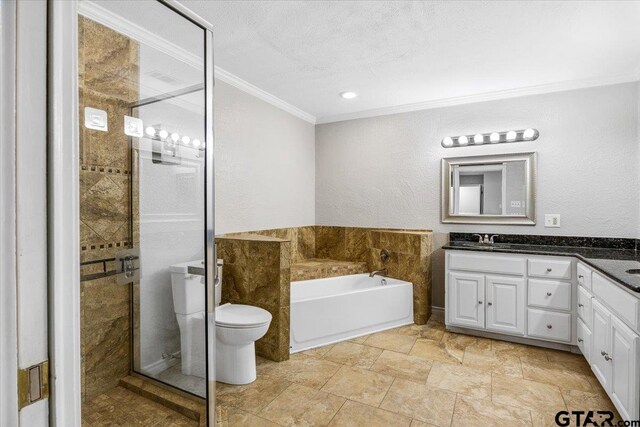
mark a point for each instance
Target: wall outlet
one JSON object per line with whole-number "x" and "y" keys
{"x": 552, "y": 220}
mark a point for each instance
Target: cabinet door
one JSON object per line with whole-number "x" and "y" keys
{"x": 505, "y": 304}
{"x": 466, "y": 299}
{"x": 600, "y": 344}
{"x": 584, "y": 340}
{"x": 624, "y": 365}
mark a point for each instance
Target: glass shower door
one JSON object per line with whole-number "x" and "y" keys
{"x": 146, "y": 143}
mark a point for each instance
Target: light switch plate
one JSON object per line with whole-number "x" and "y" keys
{"x": 133, "y": 126}
{"x": 95, "y": 119}
{"x": 552, "y": 220}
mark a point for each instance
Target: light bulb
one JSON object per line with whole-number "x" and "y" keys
{"x": 196, "y": 143}
{"x": 463, "y": 140}
{"x": 447, "y": 141}
{"x": 478, "y": 139}
{"x": 528, "y": 134}
{"x": 348, "y": 95}
{"x": 163, "y": 134}
{"x": 150, "y": 130}
{"x": 494, "y": 137}
{"x": 186, "y": 140}
{"x": 175, "y": 137}
{"x": 511, "y": 135}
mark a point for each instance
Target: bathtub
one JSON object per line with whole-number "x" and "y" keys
{"x": 325, "y": 311}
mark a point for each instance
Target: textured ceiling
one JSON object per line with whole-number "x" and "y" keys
{"x": 396, "y": 53}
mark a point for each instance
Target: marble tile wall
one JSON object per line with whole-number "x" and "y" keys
{"x": 257, "y": 272}
{"x": 108, "y": 80}
{"x": 314, "y": 268}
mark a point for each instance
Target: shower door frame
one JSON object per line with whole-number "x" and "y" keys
{"x": 64, "y": 207}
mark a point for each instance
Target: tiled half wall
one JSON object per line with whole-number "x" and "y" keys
{"x": 260, "y": 265}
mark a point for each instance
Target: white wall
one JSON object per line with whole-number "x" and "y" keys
{"x": 385, "y": 171}
{"x": 265, "y": 164}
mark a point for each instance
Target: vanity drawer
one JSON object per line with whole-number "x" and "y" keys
{"x": 550, "y": 294}
{"x": 486, "y": 263}
{"x": 584, "y": 306}
{"x": 551, "y": 268}
{"x": 550, "y": 325}
{"x": 622, "y": 303}
{"x": 584, "y": 275}
{"x": 584, "y": 340}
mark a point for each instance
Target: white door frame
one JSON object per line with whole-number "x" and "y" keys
{"x": 8, "y": 287}
{"x": 64, "y": 208}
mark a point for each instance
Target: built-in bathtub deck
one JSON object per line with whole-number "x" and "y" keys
{"x": 321, "y": 268}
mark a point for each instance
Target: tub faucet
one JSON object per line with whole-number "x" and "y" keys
{"x": 382, "y": 272}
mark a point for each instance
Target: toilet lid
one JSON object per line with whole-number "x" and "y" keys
{"x": 239, "y": 316}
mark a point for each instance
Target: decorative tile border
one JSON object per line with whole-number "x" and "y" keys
{"x": 98, "y": 246}
{"x": 105, "y": 169}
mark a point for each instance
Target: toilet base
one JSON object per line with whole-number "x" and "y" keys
{"x": 235, "y": 364}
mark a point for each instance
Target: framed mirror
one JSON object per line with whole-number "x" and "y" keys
{"x": 496, "y": 189}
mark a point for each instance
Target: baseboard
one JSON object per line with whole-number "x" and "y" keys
{"x": 154, "y": 368}
{"x": 437, "y": 310}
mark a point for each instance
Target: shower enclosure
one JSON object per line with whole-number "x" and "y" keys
{"x": 145, "y": 94}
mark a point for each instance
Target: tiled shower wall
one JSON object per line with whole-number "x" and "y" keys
{"x": 108, "y": 73}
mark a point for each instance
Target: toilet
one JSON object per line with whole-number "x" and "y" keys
{"x": 238, "y": 327}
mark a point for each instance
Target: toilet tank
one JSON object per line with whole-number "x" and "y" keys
{"x": 188, "y": 289}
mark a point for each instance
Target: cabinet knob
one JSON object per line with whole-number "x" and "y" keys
{"x": 548, "y": 294}
{"x": 549, "y": 326}
{"x": 603, "y": 353}
{"x": 479, "y": 302}
{"x": 580, "y": 276}
{"x": 580, "y": 305}
{"x": 580, "y": 340}
{"x": 549, "y": 270}
{"x": 607, "y": 358}
{"x": 489, "y": 303}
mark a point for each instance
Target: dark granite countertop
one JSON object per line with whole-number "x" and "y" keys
{"x": 612, "y": 263}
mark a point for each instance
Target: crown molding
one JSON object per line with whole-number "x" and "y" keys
{"x": 130, "y": 29}
{"x": 483, "y": 97}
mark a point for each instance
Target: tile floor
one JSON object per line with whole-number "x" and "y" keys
{"x": 411, "y": 376}
{"x": 415, "y": 376}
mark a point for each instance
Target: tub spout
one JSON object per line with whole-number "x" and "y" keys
{"x": 382, "y": 272}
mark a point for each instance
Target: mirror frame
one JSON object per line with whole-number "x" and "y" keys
{"x": 529, "y": 218}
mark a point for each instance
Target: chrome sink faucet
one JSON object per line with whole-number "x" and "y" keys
{"x": 382, "y": 272}
{"x": 486, "y": 240}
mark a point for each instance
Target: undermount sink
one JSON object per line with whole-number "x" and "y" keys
{"x": 634, "y": 271}
{"x": 486, "y": 245}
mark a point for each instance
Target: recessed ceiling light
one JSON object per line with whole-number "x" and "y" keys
{"x": 348, "y": 95}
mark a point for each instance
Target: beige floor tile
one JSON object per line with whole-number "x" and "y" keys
{"x": 300, "y": 405}
{"x": 430, "y": 331}
{"x": 403, "y": 366}
{"x": 391, "y": 341}
{"x": 556, "y": 373}
{"x": 464, "y": 342}
{"x": 470, "y": 412}
{"x": 520, "y": 350}
{"x": 421, "y": 402}
{"x": 436, "y": 351}
{"x": 238, "y": 418}
{"x": 301, "y": 369}
{"x": 318, "y": 352}
{"x": 461, "y": 379}
{"x": 352, "y": 354}
{"x": 353, "y": 414}
{"x": 595, "y": 400}
{"x": 492, "y": 361}
{"x": 359, "y": 340}
{"x": 251, "y": 397}
{"x": 417, "y": 423}
{"x": 526, "y": 394}
{"x": 360, "y": 385}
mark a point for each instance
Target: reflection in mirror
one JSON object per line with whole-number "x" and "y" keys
{"x": 489, "y": 189}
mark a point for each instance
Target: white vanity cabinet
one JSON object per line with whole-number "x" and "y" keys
{"x": 555, "y": 299}
{"x": 490, "y": 292}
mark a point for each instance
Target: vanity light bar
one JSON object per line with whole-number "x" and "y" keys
{"x": 490, "y": 138}
{"x": 173, "y": 138}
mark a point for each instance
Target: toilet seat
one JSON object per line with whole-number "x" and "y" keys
{"x": 241, "y": 316}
